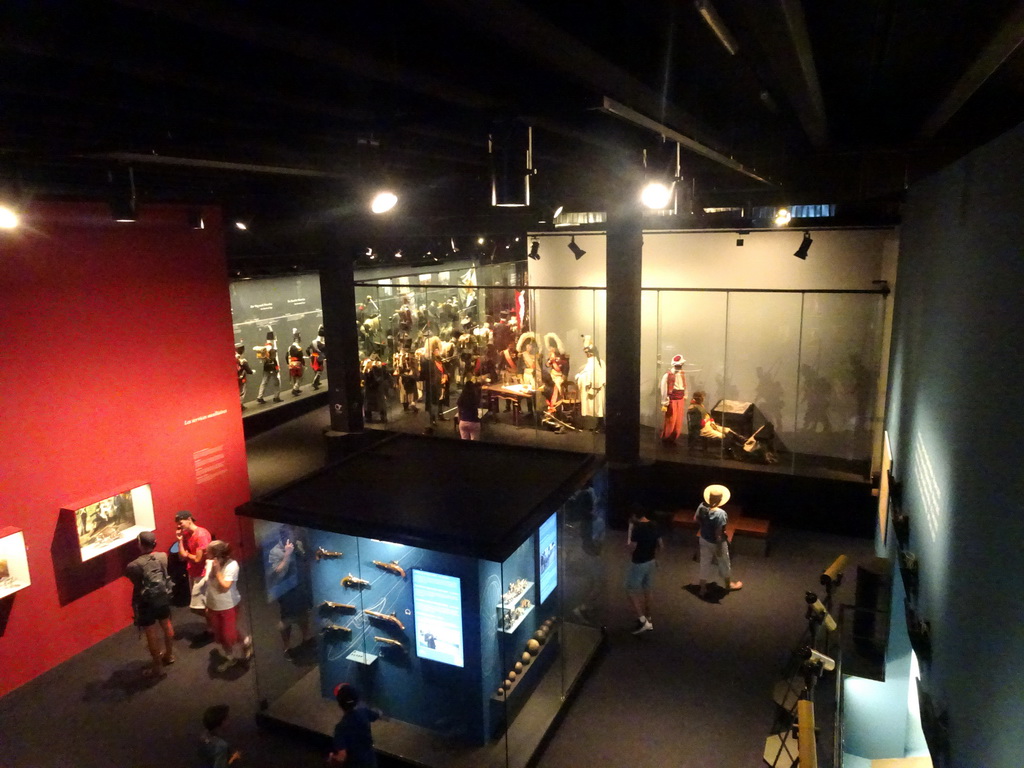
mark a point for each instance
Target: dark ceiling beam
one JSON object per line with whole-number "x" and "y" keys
{"x": 544, "y": 43}
{"x": 220, "y": 165}
{"x": 247, "y": 26}
{"x": 809, "y": 103}
{"x": 1006, "y": 40}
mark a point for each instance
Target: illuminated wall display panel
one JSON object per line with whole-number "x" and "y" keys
{"x": 108, "y": 523}
{"x": 14, "y": 574}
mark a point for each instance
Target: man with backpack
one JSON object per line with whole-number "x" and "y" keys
{"x": 151, "y": 602}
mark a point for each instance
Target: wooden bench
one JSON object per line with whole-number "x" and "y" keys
{"x": 751, "y": 529}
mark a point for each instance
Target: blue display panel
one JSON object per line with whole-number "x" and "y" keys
{"x": 548, "y": 545}
{"x": 437, "y": 605}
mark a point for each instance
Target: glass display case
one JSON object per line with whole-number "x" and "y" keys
{"x": 13, "y": 561}
{"x": 108, "y": 523}
{"x": 448, "y": 605}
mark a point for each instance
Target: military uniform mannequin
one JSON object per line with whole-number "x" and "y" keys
{"x": 267, "y": 354}
{"x": 317, "y": 352}
{"x": 296, "y": 362}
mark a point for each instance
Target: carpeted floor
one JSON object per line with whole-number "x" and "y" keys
{"x": 697, "y": 691}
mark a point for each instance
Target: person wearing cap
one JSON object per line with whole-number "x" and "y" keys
{"x": 152, "y": 609}
{"x": 193, "y": 540}
{"x": 353, "y": 739}
{"x": 673, "y": 400}
{"x": 714, "y": 544}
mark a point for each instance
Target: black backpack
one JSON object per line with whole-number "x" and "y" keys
{"x": 156, "y": 587}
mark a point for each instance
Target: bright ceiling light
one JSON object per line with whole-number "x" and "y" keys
{"x": 241, "y": 225}
{"x": 383, "y": 202}
{"x": 657, "y": 195}
{"x": 782, "y": 217}
{"x": 558, "y": 212}
{"x": 8, "y": 218}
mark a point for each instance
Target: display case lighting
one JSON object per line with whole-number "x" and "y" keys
{"x": 8, "y": 218}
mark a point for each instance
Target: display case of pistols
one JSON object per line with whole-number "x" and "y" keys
{"x": 458, "y": 611}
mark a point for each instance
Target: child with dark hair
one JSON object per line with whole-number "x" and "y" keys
{"x": 353, "y": 741}
{"x": 214, "y": 750}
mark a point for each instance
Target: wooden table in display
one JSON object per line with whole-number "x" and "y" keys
{"x": 517, "y": 394}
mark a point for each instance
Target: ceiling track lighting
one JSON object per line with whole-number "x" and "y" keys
{"x": 578, "y": 252}
{"x": 535, "y": 250}
{"x": 510, "y": 148}
{"x": 805, "y": 246}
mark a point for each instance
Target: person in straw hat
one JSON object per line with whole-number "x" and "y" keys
{"x": 714, "y": 546}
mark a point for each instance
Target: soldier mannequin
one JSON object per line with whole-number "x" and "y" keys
{"x": 267, "y": 354}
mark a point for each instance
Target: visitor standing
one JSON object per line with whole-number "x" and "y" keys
{"x": 353, "y": 740}
{"x": 151, "y": 602}
{"x": 644, "y": 541}
{"x": 714, "y": 544}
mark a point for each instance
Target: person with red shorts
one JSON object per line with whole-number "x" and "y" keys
{"x": 193, "y": 540}
{"x": 222, "y": 601}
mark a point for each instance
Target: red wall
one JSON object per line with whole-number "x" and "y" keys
{"x": 96, "y": 317}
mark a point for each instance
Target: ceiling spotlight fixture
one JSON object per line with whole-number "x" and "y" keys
{"x": 195, "y": 218}
{"x": 398, "y": 253}
{"x": 578, "y": 252}
{"x": 558, "y": 212}
{"x": 8, "y": 218}
{"x": 805, "y": 246}
{"x": 657, "y": 195}
{"x": 714, "y": 21}
{"x": 782, "y": 217}
{"x": 535, "y": 250}
{"x": 383, "y": 201}
{"x": 739, "y": 237}
{"x": 241, "y": 225}
{"x": 479, "y": 241}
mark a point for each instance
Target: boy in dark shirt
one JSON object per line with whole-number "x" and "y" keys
{"x": 644, "y": 541}
{"x": 353, "y": 742}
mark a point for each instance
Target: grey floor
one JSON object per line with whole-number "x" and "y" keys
{"x": 697, "y": 691}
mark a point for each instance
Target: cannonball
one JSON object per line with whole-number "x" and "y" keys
{"x": 512, "y": 675}
{"x": 508, "y": 684}
{"x": 519, "y": 666}
{"x": 532, "y": 647}
{"x": 527, "y": 658}
{"x": 501, "y": 693}
{"x": 540, "y": 636}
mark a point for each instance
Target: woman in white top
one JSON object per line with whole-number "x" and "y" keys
{"x": 222, "y": 600}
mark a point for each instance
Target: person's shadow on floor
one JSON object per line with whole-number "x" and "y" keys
{"x": 714, "y": 595}
{"x": 123, "y": 683}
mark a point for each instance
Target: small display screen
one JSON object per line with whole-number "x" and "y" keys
{"x": 437, "y": 605}
{"x": 548, "y": 544}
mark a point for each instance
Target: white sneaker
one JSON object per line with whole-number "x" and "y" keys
{"x": 647, "y": 626}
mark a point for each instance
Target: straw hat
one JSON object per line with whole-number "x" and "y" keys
{"x": 717, "y": 490}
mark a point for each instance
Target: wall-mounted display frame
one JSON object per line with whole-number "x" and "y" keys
{"x": 14, "y": 574}
{"x": 109, "y": 522}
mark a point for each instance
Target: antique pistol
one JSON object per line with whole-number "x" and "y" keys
{"x": 354, "y": 583}
{"x": 389, "y": 641}
{"x": 327, "y": 605}
{"x": 392, "y": 567}
{"x": 336, "y": 629}
{"x": 322, "y": 553}
{"x": 385, "y": 617}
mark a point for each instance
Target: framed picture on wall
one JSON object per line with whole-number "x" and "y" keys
{"x": 13, "y": 561}
{"x": 109, "y": 522}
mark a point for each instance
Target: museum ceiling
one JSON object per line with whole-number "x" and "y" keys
{"x": 293, "y": 109}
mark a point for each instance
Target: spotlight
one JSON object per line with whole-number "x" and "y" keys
{"x": 818, "y": 659}
{"x": 398, "y": 253}
{"x": 8, "y": 218}
{"x": 479, "y": 241}
{"x": 782, "y": 217}
{"x": 535, "y": 250}
{"x": 558, "y": 212}
{"x": 657, "y": 195}
{"x": 833, "y": 575}
{"x": 805, "y": 246}
{"x": 383, "y": 202}
{"x": 739, "y": 237}
{"x": 578, "y": 252}
{"x": 195, "y": 218}
{"x": 241, "y": 225}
